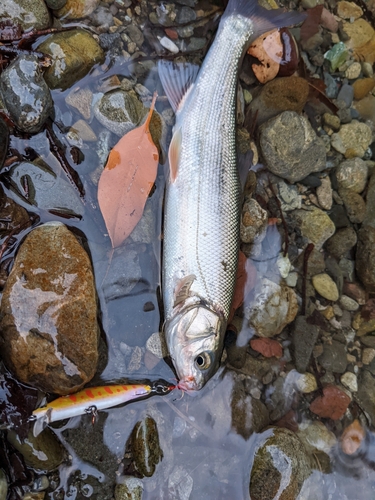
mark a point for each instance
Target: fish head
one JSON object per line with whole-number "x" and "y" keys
{"x": 195, "y": 341}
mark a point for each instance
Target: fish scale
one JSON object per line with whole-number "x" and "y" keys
{"x": 201, "y": 225}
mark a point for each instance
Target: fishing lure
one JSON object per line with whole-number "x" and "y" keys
{"x": 92, "y": 399}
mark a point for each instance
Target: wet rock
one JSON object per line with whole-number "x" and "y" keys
{"x": 275, "y": 306}
{"x": 331, "y": 121}
{"x": 4, "y": 141}
{"x": 352, "y": 174}
{"x": 362, "y": 87}
{"x": 346, "y": 94}
{"x": 352, "y": 139}
{"x": 305, "y": 336}
{"x": 49, "y": 314}
{"x": 332, "y": 404}
{"x": 281, "y": 94}
{"x": 341, "y": 242}
{"x": 26, "y": 94}
{"x": 316, "y": 437}
{"x": 366, "y": 393}
{"x": 73, "y": 54}
{"x": 325, "y": 286}
{"x": 254, "y": 222}
{"x": 12, "y": 216}
{"x": 280, "y": 466}
{"x": 355, "y": 291}
{"x": 315, "y": 225}
{"x": 354, "y": 204}
{"x": 29, "y": 14}
{"x": 145, "y": 447}
{"x": 180, "y": 483}
{"x": 369, "y": 219}
{"x": 130, "y": 488}
{"x": 3, "y": 485}
{"x": 365, "y": 257}
{"x": 76, "y": 9}
{"x": 81, "y": 100}
{"x": 333, "y": 358}
{"x": 45, "y": 190}
{"x": 248, "y": 414}
{"x": 43, "y": 452}
{"x": 315, "y": 263}
{"x": 291, "y": 148}
{"x": 119, "y": 111}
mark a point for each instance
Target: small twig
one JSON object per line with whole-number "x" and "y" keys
{"x": 14, "y": 51}
{"x": 57, "y": 150}
{"x": 306, "y": 255}
{"x": 281, "y": 216}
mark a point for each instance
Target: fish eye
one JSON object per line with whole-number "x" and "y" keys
{"x": 203, "y": 361}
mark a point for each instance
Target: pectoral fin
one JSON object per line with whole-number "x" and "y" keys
{"x": 181, "y": 292}
{"x": 174, "y": 154}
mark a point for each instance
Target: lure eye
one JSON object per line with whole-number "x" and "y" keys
{"x": 203, "y": 361}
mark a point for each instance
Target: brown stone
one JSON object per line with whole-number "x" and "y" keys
{"x": 362, "y": 87}
{"x": 49, "y": 330}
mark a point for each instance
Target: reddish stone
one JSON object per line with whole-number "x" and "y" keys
{"x": 267, "y": 347}
{"x": 333, "y": 404}
{"x": 355, "y": 291}
{"x": 173, "y": 35}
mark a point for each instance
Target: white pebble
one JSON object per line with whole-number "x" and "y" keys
{"x": 168, "y": 44}
{"x": 368, "y": 354}
{"x": 348, "y": 303}
{"x": 306, "y": 383}
{"x": 349, "y": 380}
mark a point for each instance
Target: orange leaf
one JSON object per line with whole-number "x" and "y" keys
{"x": 127, "y": 179}
{"x": 268, "y": 347}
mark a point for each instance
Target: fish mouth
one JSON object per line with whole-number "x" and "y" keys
{"x": 189, "y": 385}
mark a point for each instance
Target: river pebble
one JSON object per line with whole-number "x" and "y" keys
{"x": 341, "y": 242}
{"x": 365, "y": 257}
{"x": 353, "y": 139}
{"x": 349, "y": 380}
{"x": 30, "y": 14}
{"x": 54, "y": 344}
{"x": 130, "y": 488}
{"x": 352, "y": 174}
{"x": 315, "y": 225}
{"x": 73, "y": 54}
{"x": 281, "y": 454}
{"x": 354, "y": 204}
{"x": 290, "y": 147}
{"x": 76, "y": 9}
{"x": 254, "y": 222}
{"x": 305, "y": 336}
{"x": 332, "y": 404}
{"x": 26, "y": 94}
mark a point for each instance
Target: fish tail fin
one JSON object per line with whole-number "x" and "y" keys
{"x": 264, "y": 20}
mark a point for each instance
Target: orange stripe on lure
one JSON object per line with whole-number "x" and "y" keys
{"x": 96, "y": 398}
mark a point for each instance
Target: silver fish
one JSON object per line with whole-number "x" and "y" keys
{"x": 202, "y": 203}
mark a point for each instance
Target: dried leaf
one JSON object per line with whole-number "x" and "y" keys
{"x": 127, "y": 180}
{"x": 352, "y": 437}
{"x": 311, "y": 25}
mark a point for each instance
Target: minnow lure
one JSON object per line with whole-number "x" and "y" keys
{"x": 92, "y": 399}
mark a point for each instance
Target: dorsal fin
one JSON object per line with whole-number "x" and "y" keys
{"x": 182, "y": 289}
{"x": 176, "y": 79}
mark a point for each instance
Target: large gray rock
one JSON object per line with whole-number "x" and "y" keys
{"x": 291, "y": 148}
{"x": 30, "y": 14}
{"x": 26, "y": 94}
{"x": 49, "y": 330}
{"x": 365, "y": 257}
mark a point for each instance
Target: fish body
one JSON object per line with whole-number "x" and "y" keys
{"x": 81, "y": 402}
{"x": 203, "y": 194}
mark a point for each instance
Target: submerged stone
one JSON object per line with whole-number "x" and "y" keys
{"x": 73, "y": 54}
{"x": 43, "y": 452}
{"x": 280, "y": 466}
{"x": 145, "y": 447}
{"x": 75, "y": 9}
{"x": 49, "y": 330}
